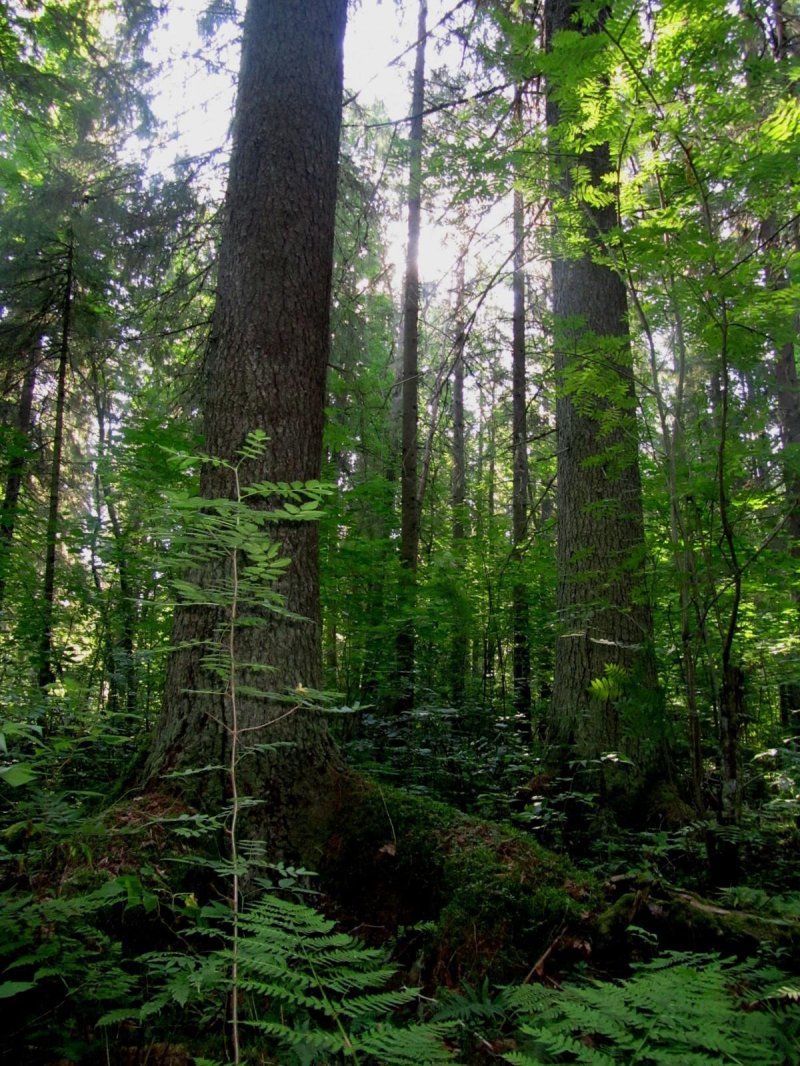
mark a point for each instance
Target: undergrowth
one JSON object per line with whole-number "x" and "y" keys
{"x": 105, "y": 947}
{"x": 681, "y": 1009}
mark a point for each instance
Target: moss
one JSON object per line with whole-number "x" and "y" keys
{"x": 494, "y": 899}
{"x": 685, "y": 922}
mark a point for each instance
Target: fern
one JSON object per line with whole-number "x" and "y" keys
{"x": 320, "y": 996}
{"x": 422, "y": 1044}
{"x": 676, "y": 1010}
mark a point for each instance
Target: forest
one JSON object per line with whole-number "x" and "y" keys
{"x": 400, "y": 538}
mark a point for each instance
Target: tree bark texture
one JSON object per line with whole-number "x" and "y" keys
{"x": 603, "y": 615}
{"x": 266, "y": 369}
{"x": 409, "y": 496}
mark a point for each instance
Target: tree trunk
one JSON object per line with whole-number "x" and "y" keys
{"x": 16, "y": 469}
{"x": 409, "y": 499}
{"x": 604, "y": 662}
{"x": 519, "y": 448}
{"x": 45, "y": 664}
{"x": 458, "y": 665}
{"x": 121, "y": 661}
{"x": 266, "y": 369}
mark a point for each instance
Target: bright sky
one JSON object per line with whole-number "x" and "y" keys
{"x": 195, "y": 101}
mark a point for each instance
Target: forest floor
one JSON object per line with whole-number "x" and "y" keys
{"x": 116, "y": 935}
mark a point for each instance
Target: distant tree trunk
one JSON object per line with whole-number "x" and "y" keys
{"x": 459, "y": 488}
{"x": 121, "y": 665}
{"x": 519, "y": 450}
{"x": 605, "y": 627}
{"x": 45, "y": 665}
{"x": 16, "y": 468}
{"x": 409, "y": 498}
{"x": 266, "y": 369}
{"x": 486, "y": 534}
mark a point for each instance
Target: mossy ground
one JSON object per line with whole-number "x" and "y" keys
{"x": 489, "y": 899}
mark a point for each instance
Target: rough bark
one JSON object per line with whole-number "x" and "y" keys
{"x": 603, "y": 616}
{"x": 266, "y": 369}
{"x": 409, "y": 498}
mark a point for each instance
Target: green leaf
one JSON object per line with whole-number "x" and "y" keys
{"x": 19, "y": 774}
{"x": 14, "y": 988}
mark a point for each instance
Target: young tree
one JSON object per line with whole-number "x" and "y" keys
{"x": 458, "y": 491}
{"x": 519, "y": 451}
{"x": 265, "y": 369}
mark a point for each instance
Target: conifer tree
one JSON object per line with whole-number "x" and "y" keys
{"x": 604, "y": 652}
{"x": 266, "y": 370}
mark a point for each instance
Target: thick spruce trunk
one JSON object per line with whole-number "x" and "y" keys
{"x": 605, "y": 628}
{"x": 266, "y": 369}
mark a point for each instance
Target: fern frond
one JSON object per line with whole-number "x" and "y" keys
{"x": 281, "y": 993}
{"x": 558, "y": 1043}
{"x": 292, "y": 1036}
{"x": 351, "y": 981}
{"x": 635, "y": 1020}
{"x": 419, "y": 1045}
{"x": 376, "y": 1005}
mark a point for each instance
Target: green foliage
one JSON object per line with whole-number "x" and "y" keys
{"x": 326, "y": 993}
{"x": 679, "y": 1008}
{"x": 64, "y": 963}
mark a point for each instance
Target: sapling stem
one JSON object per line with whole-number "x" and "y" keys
{"x": 234, "y": 785}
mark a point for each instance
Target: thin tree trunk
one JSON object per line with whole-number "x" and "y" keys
{"x": 490, "y": 640}
{"x": 409, "y": 497}
{"x": 45, "y": 666}
{"x": 122, "y": 641}
{"x": 519, "y": 448}
{"x": 16, "y": 469}
{"x": 458, "y": 666}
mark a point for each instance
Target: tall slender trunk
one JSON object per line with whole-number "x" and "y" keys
{"x": 16, "y": 469}
{"x": 488, "y": 477}
{"x": 46, "y": 669}
{"x": 519, "y": 448}
{"x": 458, "y": 665}
{"x": 409, "y": 498}
{"x": 692, "y": 628}
{"x": 731, "y": 694}
{"x": 122, "y": 638}
{"x": 787, "y": 393}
